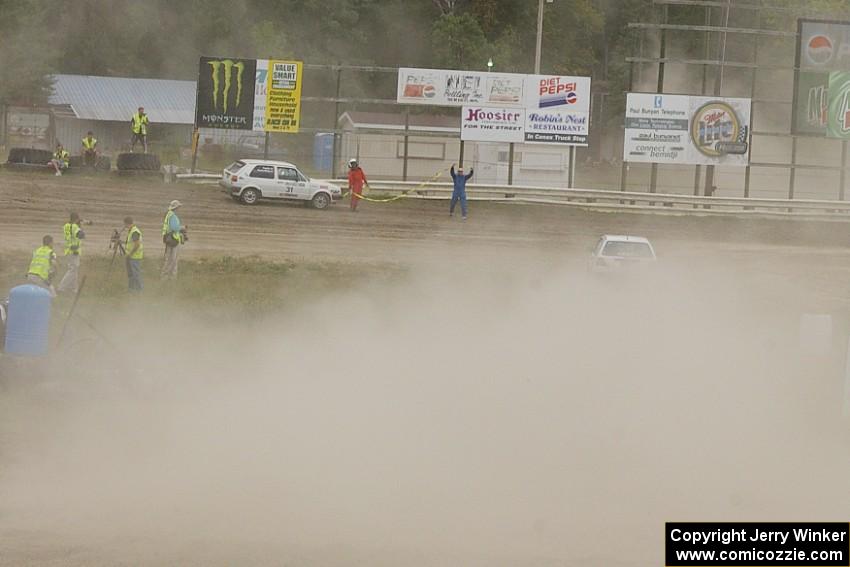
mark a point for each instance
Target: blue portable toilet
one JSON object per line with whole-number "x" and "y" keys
{"x": 323, "y": 151}
{"x": 28, "y": 321}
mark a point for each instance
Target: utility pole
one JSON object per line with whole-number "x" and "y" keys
{"x": 539, "y": 37}
{"x": 537, "y": 55}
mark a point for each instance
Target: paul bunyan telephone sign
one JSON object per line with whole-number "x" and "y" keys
{"x": 552, "y": 108}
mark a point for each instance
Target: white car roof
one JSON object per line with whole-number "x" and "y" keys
{"x": 268, "y": 162}
{"x": 625, "y": 238}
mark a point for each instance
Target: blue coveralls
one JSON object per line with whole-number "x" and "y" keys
{"x": 459, "y": 192}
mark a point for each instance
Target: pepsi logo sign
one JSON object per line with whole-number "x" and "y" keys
{"x": 819, "y": 49}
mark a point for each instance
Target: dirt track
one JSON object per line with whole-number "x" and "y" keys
{"x": 408, "y": 230}
{"x": 778, "y": 255}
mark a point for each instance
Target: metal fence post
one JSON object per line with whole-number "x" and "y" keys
{"x": 406, "y": 140}
{"x": 336, "y": 125}
{"x": 511, "y": 163}
{"x": 843, "y": 173}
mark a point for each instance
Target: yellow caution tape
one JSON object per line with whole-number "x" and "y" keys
{"x": 402, "y": 195}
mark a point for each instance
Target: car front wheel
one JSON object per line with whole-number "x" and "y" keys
{"x": 250, "y": 196}
{"x": 321, "y": 201}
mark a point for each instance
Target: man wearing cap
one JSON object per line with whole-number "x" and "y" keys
{"x": 173, "y": 237}
{"x": 74, "y": 236}
{"x": 139, "y": 124}
{"x": 135, "y": 252}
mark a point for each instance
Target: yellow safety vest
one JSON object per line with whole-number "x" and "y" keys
{"x": 165, "y": 230}
{"x": 140, "y": 251}
{"x": 73, "y": 244}
{"x": 62, "y": 155}
{"x": 41, "y": 260}
{"x": 139, "y": 124}
{"x": 89, "y": 143}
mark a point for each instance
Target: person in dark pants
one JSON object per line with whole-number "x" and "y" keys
{"x": 459, "y": 192}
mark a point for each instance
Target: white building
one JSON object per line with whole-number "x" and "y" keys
{"x": 376, "y": 139}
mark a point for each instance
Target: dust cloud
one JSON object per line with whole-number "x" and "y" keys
{"x": 466, "y": 416}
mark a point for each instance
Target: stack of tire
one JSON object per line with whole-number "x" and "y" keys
{"x": 138, "y": 163}
{"x": 29, "y": 156}
{"x": 104, "y": 163}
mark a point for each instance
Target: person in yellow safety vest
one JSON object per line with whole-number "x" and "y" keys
{"x": 135, "y": 253}
{"x": 60, "y": 159}
{"x": 173, "y": 236}
{"x": 139, "y": 124}
{"x": 74, "y": 236}
{"x": 43, "y": 265}
{"x": 89, "y": 152}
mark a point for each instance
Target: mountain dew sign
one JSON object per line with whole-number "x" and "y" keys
{"x": 249, "y": 94}
{"x": 838, "y": 116}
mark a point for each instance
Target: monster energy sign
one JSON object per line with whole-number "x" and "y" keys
{"x": 226, "y": 93}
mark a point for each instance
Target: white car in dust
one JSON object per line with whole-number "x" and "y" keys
{"x": 613, "y": 253}
{"x": 249, "y": 180}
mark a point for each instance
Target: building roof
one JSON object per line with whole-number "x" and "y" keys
{"x": 395, "y": 121}
{"x": 117, "y": 98}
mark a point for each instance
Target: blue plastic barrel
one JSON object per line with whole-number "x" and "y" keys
{"x": 29, "y": 321}
{"x": 323, "y": 151}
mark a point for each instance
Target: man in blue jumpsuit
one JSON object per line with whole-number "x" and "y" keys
{"x": 459, "y": 192}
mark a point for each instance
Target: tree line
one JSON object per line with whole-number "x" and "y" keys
{"x": 164, "y": 38}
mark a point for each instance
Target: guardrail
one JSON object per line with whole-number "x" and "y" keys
{"x": 601, "y": 199}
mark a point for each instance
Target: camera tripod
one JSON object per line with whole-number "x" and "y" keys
{"x": 116, "y": 246}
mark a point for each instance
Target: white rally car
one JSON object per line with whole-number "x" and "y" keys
{"x": 249, "y": 180}
{"x": 616, "y": 253}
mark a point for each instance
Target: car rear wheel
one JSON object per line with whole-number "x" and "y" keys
{"x": 250, "y": 196}
{"x": 321, "y": 201}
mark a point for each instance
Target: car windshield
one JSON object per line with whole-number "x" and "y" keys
{"x": 627, "y": 249}
{"x": 235, "y": 166}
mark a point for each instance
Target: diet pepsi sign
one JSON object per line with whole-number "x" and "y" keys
{"x": 485, "y": 124}
{"x": 557, "y": 109}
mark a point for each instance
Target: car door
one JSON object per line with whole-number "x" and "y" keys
{"x": 302, "y": 186}
{"x": 286, "y": 182}
{"x": 262, "y": 176}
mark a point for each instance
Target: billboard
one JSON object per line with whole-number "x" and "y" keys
{"x": 487, "y": 124}
{"x": 822, "y": 47}
{"x": 441, "y": 87}
{"x": 687, "y": 129}
{"x": 838, "y": 115}
{"x": 249, "y": 94}
{"x": 557, "y": 109}
{"x": 225, "y": 96}
{"x": 283, "y": 104}
{"x": 260, "y": 95}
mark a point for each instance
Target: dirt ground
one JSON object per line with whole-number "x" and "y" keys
{"x": 408, "y": 230}
{"x": 499, "y": 408}
{"x": 777, "y": 253}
